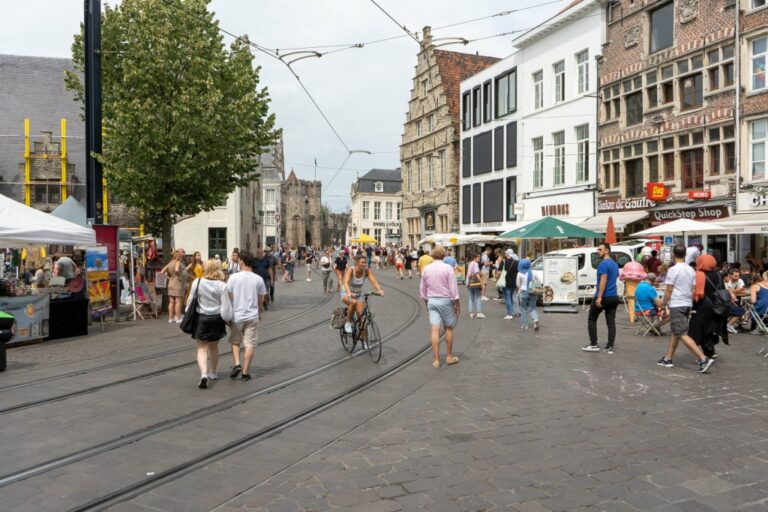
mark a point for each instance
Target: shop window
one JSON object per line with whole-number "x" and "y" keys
{"x": 692, "y": 166}
{"x": 662, "y": 27}
{"x": 217, "y": 243}
{"x": 691, "y": 92}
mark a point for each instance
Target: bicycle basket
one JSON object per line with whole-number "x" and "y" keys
{"x": 338, "y": 318}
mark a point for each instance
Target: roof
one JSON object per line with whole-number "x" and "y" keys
{"x": 455, "y": 67}
{"x": 390, "y": 178}
{"x": 292, "y": 176}
{"x": 33, "y": 88}
{"x": 574, "y": 10}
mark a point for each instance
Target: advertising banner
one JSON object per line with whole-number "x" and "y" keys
{"x": 561, "y": 280}
{"x": 97, "y": 273}
{"x": 31, "y": 312}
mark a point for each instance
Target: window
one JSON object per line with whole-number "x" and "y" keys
{"x": 652, "y": 93}
{"x": 378, "y": 187}
{"x": 691, "y": 92}
{"x": 430, "y": 123}
{"x": 758, "y": 132}
{"x": 758, "y": 3}
{"x": 506, "y": 93}
{"x": 269, "y": 218}
{"x": 558, "y": 141}
{"x": 430, "y": 172}
{"x": 269, "y": 196}
{"x": 511, "y": 198}
{"x": 582, "y": 153}
{"x": 46, "y": 191}
{"x": 559, "y": 71}
{"x": 582, "y": 63}
{"x": 476, "y": 106}
{"x": 538, "y": 89}
{"x": 487, "y": 102}
{"x": 388, "y": 210}
{"x": 443, "y": 168}
{"x": 662, "y": 27}
{"x": 668, "y": 159}
{"x": 377, "y": 210}
{"x": 759, "y": 55}
{"x": 418, "y": 175}
{"x": 538, "y": 162}
{"x": 407, "y": 178}
{"x": 217, "y": 243}
{"x": 608, "y": 157}
{"x": 634, "y": 108}
{"x": 653, "y": 168}
{"x": 692, "y": 168}
{"x": 398, "y": 210}
{"x": 466, "y": 119}
{"x": 667, "y": 85}
{"x": 366, "y": 210}
{"x": 377, "y": 235}
{"x": 418, "y": 127}
{"x": 634, "y": 177}
{"x": 424, "y": 86}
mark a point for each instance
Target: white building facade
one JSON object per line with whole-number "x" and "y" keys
{"x": 377, "y": 206}
{"x": 530, "y": 127}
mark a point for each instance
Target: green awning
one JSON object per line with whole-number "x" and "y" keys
{"x": 550, "y": 227}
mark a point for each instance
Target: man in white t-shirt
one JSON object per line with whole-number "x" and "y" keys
{"x": 247, "y": 292}
{"x": 692, "y": 252}
{"x": 680, "y": 282}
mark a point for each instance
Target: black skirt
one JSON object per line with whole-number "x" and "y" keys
{"x": 210, "y": 328}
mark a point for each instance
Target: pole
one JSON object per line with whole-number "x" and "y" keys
{"x": 94, "y": 176}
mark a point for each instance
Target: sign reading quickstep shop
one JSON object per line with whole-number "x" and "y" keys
{"x": 702, "y": 213}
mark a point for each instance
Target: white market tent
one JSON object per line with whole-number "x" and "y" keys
{"x": 73, "y": 211}
{"x": 682, "y": 227}
{"x": 21, "y": 225}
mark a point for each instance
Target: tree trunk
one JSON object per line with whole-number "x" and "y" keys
{"x": 167, "y": 237}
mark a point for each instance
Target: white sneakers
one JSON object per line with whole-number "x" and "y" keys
{"x": 348, "y": 327}
{"x": 480, "y": 315}
{"x": 508, "y": 317}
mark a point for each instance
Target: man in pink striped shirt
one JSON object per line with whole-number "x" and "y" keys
{"x": 440, "y": 291}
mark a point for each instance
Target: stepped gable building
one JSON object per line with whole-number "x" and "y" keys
{"x": 37, "y": 111}
{"x": 429, "y": 153}
{"x": 667, "y": 110}
{"x": 301, "y": 209}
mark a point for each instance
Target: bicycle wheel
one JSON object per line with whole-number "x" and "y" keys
{"x": 374, "y": 341}
{"x": 346, "y": 340}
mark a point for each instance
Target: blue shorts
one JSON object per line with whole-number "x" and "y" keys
{"x": 441, "y": 312}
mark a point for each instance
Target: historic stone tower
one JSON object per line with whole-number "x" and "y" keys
{"x": 301, "y": 212}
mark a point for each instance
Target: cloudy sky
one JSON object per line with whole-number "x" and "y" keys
{"x": 363, "y": 91}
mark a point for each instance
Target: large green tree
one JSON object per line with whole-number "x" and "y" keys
{"x": 183, "y": 114}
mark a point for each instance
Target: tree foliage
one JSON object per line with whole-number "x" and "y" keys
{"x": 183, "y": 114}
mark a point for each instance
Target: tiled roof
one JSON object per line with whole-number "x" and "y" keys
{"x": 292, "y": 176}
{"x": 455, "y": 67}
{"x": 389, "y": 178}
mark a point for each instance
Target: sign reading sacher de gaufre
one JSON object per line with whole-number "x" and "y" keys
{"x": 619, "y": 204}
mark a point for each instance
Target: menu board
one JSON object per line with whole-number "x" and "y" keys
{"x": 561, "y": 280}
{"x": 97, "y": 271}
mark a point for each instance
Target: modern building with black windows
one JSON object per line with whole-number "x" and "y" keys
{"x": 529, "y": 127}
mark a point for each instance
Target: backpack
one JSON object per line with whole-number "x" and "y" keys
{"x": 721, "y": 299}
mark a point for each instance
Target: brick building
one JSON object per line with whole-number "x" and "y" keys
{"x": 667, "y": 86}
{"x": 429, "y": 153}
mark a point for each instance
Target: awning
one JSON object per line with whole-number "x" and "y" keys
{"x": 599, "y": 222}
{"x": 746, "y": 223}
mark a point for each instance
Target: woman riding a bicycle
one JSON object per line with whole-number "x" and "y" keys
{"x": 354, "y": 279}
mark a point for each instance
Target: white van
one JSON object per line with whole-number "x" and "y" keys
{"x": 589, "y": 260}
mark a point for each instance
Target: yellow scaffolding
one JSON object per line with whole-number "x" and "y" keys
{"x": 63, "y": 160}
{"x": 27, "y": 169}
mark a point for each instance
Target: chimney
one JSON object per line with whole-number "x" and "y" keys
{"x": 426, "y": 36}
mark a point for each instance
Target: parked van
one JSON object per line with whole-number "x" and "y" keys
{"x": 589, "y": 260}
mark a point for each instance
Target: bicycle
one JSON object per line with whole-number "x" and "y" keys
{"x": 365, "y": 331}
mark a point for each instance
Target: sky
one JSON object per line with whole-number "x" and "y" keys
{"x": 364, "y": 92}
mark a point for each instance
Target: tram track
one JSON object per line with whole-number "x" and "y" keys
{"x": 229, "y": 403}
{"x": 148, "y": 357}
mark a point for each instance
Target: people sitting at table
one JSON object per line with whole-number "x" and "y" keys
{"x": 758, "y": 295}
{"x": 661, "y": 275}
{"x": 734, "y": 284}
{"x": 647, "y": 300}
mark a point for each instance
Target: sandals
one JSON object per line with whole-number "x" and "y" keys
{"x": 452, "y": 360}
{"x": 436, "y": 363}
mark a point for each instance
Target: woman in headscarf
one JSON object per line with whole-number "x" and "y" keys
{"x": 707, "y": 328}
{"x": 527, "y": 299}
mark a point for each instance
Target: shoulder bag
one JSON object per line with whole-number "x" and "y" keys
{"x": 720, "y": 299}
{"x": 189, "y": 322}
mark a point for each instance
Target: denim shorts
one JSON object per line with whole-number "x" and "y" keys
{"x": 441, "y": 312}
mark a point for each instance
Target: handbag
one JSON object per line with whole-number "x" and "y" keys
{"x": 189, "y": 322}
{"x": 536, "y": 288}
{"x": 474, "y": 281}
{"x": 501, "y": 280}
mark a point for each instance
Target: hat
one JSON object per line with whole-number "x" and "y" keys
{"x": 509, "y": 253}
{"x": 651, "y": 276}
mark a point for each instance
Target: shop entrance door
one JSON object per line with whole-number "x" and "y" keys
{"x": 717, "y": 246}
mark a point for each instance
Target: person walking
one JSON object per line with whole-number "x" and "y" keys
{"x": 308, "y": 260}
{"x": 510, "y": 266}
{"x": 234, "y": 263}
{"x": 261, "y": 266}
{"x": 399, "y": 265}
{"x": 708, "y": 327}
{"x": 449, "y": 259}
{"x": 424, "y": 261}
{"x": 274, "y": 268}
{"x": 527, "y": 299}
{"x": 606, "y": 299}
{"x": 474, "y": 287}
{"x": 325, "y": 271}
{"x": 440, "y": 291}
{"x": 486, "y": 262}
{"x": 678, "y": 296}
{"x": 409, "y": 263}
{"x": 340, "y": 267}
{"x": 248, "y": 291}
{"x": 173, "y": 273}
{"x": 195, "y": 269}
{"x": 214, "y": 308}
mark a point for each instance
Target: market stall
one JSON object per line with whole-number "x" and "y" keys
{"x": 38, "y": 312}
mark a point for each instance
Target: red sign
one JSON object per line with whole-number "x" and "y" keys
{"x": 656, "y": 191}
{"x": 699, "y": 194}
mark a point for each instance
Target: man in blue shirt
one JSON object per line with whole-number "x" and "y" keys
{"x": 449, "y": 259}
{"x": 606, "y": 299}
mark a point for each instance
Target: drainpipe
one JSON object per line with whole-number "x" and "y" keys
{"x": 737, "y": 118}
{"x": 598, "y": 59}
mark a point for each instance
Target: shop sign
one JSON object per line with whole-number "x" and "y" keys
{"x": 656, "y": 191}
{"x": 392, "y": 223}
{"x": 614, "y": 204}
{"x": 488, "y": 224}
{"x": 699, "y": 194}
{"x": 556, "y": 210}
{"x": 703, "y": 213}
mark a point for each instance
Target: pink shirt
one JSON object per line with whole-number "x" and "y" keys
{"x": 439, "y": 281}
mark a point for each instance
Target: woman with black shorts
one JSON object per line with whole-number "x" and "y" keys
{"x": 340, "y": 266}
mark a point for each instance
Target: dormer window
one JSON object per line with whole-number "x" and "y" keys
{"x": 378, "y": 187}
